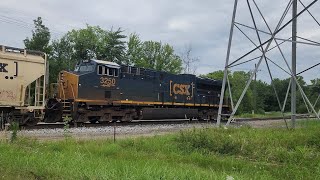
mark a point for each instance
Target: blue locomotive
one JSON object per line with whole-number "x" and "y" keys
{"x": 105, "y": 91}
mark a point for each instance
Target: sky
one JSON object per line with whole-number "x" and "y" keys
{"x": 203, "y": 25}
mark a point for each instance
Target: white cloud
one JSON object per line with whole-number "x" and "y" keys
{"x": 179, "y": 25}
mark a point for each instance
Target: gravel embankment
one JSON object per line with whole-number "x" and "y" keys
{"x": 106, "y": 132}
{"x": 127, "y": 131}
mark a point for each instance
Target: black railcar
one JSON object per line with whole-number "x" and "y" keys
{"x": 105, "y": 91}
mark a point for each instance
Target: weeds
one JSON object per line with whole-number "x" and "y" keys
{"x": 14, "y": 134}
{"x": 66, "y": 127}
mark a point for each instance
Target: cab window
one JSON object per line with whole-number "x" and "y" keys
{"x": 100, "y": 70}
{"x": 85, "y": 67}
{"x": 110, "y": 73}
{"x": 103, "y": 70}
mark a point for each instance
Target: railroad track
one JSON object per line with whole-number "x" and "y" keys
{"x": 117, "y": 124}
{"x": 299, "y": 116}
{"x": 148, "y": 122}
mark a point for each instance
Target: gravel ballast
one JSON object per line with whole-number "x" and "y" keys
{"x": 124, "y": 131}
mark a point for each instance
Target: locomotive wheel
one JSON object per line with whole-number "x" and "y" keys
{"x": 127, "y": 118}
{"x": 106, "y": 117}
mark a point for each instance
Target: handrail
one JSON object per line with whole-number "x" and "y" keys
{"x": 72, "y": 91}
{"x": 61, "y": 85}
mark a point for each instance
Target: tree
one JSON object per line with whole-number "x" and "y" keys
{"x": 216, "y": 75}
{"x": 87, "y": 43}
{"x": 189, "y": 61}
{"x": 134, "y": 49}
{"x": 40, "y": 38}
{"x": 94, "y": 42}
{"x": 115, "y": 47}
{"x": 153, "y": 55}
{"x": 238, "y": 80}
{"x": 61, "y": 58}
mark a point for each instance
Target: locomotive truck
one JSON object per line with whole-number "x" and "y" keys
{"x": 99, "y": 91}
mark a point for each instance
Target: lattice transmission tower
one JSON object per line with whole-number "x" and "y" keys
{"x": 263, "y": 32}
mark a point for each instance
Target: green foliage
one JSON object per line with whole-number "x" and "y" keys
{"x": 242, "y": 153}
{"x": 95, "y": 42}
{"x": 270, "y": 148}
{"x": 134, "y": 49}
{"x": 14, "y": 127}
{"x": 218, "y": 75}
{"x": 153, "y": 55}
{"x": 61, "y": 57}
{"x": 40, "y": 38}
{"x": 115, "y": 47}
{"x": 66, "y": 127}
{"x": 238, "y": 81}
{"x": 261, "y": 97}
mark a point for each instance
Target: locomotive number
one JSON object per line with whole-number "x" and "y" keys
{"x": 107, "y": 82}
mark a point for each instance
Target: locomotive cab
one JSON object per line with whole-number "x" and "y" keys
{"x": 98, "y": 80}
{"x": 91, "y": 82}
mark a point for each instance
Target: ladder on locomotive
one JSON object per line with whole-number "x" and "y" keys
{"x": 66, "y": 111}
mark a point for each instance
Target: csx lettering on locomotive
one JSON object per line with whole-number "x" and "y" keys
{"x": 180, "y": 89}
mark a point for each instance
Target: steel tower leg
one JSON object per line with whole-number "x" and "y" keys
{"x": 227, "y": 63}
{"x": 294, "y": 62}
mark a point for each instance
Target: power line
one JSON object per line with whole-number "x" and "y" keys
{"x": 24, "y": 24}
{"x": 24, "y": 14}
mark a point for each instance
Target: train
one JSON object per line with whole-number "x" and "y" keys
{"x": 100, "y": 91}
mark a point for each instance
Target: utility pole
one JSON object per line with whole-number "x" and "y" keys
{"x": 294, "y": 60}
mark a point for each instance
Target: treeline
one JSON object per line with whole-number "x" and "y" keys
{"x": 261, "y": 97}
{"x": 97, "y": 43}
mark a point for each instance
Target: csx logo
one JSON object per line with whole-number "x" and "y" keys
{"x": 180, "y": 89}
{"x": 3, "y": 67}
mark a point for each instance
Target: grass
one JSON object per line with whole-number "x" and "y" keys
{"x": 242, "y": 153}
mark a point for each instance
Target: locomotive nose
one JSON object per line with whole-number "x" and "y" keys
{"x": 68, "y": 85}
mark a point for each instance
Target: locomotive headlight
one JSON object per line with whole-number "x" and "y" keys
{"x": 79, "y": 84}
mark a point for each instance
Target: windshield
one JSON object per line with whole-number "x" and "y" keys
{"x": 84, "y": 68}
